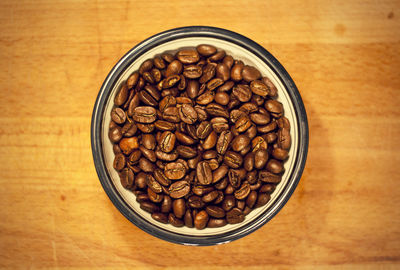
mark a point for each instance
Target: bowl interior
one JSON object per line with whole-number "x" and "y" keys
{"x": 237, "y": 52}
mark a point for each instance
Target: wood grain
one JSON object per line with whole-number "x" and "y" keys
{"x": 343, "y": 56}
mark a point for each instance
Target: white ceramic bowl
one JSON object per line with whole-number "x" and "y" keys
{"x": 240, "y": 48}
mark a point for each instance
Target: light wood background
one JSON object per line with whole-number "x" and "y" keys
{"x": 345, "y": 59}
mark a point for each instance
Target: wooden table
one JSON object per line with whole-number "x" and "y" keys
{"x": 345, "y": 59}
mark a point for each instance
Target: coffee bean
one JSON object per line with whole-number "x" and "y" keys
{"x": 206, "y": 50}
{"x": 240, "y": 142}
{"x": 221, "y": 98}
{"x": 242, "y": 92}
{"x": 250, "y": 73}
{"x": 118, "y": 115}
{"x": 171, "y": 114}
{"x": 170, "y": 81}
{"x": 160, "y": 217}
{"x": 216, "y": 222}
{"x": 272, "y": 91}
{"x": 204, "y": 173}
{"x": 149, "y": 207}
{"x": 215, "y": 211}
{"x": 234, "y": 216}
{"x": 187, "y": 56}
{"x": 192, "y": 89}
{"x": 200, "y": 220}
{"x": 188, "y": 219}
{"x": 262, "y": 199}
{"x": 201, "y": 113}
{"x": 259, "y": 88}
{"x": 166, "y": 204}
{"x": 201, "y": 190}
{"x": 251, "y": 199}
{"x": 167, "y": 141}
{"x": 249, "y": 107}
{"x": 195, "y": 202}
{"x": 188, "y": 114}
{"x": 259, "y": 118}
{"x": 149, "y": 154}
{"x": 270, "y": 137}
{"x": 119, "y": 162}
{"x": 215, "y": 109}
{"x": 275, "y": 166}
{"x": 214, "y": 83}
{"x": 243, "y": 191}
{"x": 161, "y": 178}
{"x": 179, "y": 208}
{"x": 284, "y": 139}
{"x": 205, "y": 98}
{"x": 243, "y": 123}
{"x": 127, "y": 145}
{"x": 174, "y": 221}
{"x": 209, "y": 197}
{"x": 174, "y": 68}
{"x": 260, "y": 158}
{"x": 192, "y": 71}
{"x": 175, "y": 170}
{"x": 179, "y": 189}
{"x": 166, "y": 156}
{"x": 280, "y": 153}
{"x": 144, "y": 114}
{"x": 210, "y": 141}
{"x": 228, "y": 60}
{"x": 236, "y": 71}
{"x": 233, "y": 159}
{"x": 121, "y": 96}
{"x": 217, "y": 57}
{"x": 115, "y": 134}
{"x": 274, "y": 107}
{"x": 208, "y": 72}
{"x": 184, "y": 139}
{"x": 223, "y": 72}
{"x": 146, "y": 66}
{"x": 154, "y": 197}
{"x": 132, "y": 80}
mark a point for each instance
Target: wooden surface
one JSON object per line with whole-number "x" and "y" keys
{"x": 345, "y": 59}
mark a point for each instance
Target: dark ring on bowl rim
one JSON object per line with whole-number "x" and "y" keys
{"x": 97, "y": 118}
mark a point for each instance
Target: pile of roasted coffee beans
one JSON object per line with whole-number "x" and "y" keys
{"x": 199, "y": 137}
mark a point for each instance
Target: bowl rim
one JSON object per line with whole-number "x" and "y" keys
{"x": 185, "y": 32}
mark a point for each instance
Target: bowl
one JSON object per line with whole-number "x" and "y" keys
{"x": 241, "y": 48}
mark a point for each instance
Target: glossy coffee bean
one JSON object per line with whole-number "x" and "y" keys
{"x": 200, "y": 220}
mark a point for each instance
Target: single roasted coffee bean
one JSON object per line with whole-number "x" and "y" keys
{"x": 236, "y": 71}
{"x": 126, "y": 177}
{"x": 243, "y": 191}
{"x": 171, "y": 114}
{"x": 210, "y": 141}
{"x": 149, "y": 154}
{"x": 215, "y": 109}
{"x": 235, "y": 216}
{"x": 217, "y": 56}
{"x": 115, "y": 134}
{"x": 175, "y": 170}
{"x": 260, "y": 158}
{"x": 250, "y": 73}
{"x": 206, "y": 50}
{"x": 179, "y": 207}
{"x": 167, "y": 141}
{"x": 149, "y": 207}
{"x": 188, "y": 219}
{"x": 260, "y": 118}
{"x": 259, "y": 88}
{"x": 154, "y": 197}
{"x": 223, "y": 72}
{"x": 121, "y": 96}
{"x": 215, "y": 211}
{"x": 222, "y": 184}
{"x": 118, "y": 115}
{"x": 186, "y": 151}
{"x": 242, "y": 92}
{"x": 166, "y": 156}
{"x": 184, "y": 139}
{"x": 160, "y": 217}
{"x": 187, "y": 114}
{"x": 240, "y": 142}
{"x": 272, "y": 91}
{"x": 188, "y": 56}
{"x": 219, "y": 124}
{"x": 240, "y": 204}
{"x": 251, "y": 199}
{"x": 179, "y": 189}
{"x": 224, "y": 141}
{"x": 127, "y": 145}
{"x": 166, "y": 204}
{"x": 248, "y": 162}
{"x": 284, "y": 139}
{"x": 204, "y": 173}
{"x": 166, "y": 102}
{"x": 144, "y": 114}
{"x": 262, "y": 199}
{"x": 233, "y": 159}
{"x": 275, "y": 166}
{"x": 243, "y": 123}
{"x": 192, "y": 71}
{"x": 280, "y": 153}
{"x": 259, "y": 143}
{"x": 174, "y": 221}
{"x": 209, "y": 197}
{"x": 203, "y": 130}
{"x": 132, "y": 80}
{"x": 274, "y": 107}
{"x": 200, "y": 220}
{"x": 216, "y": 222}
